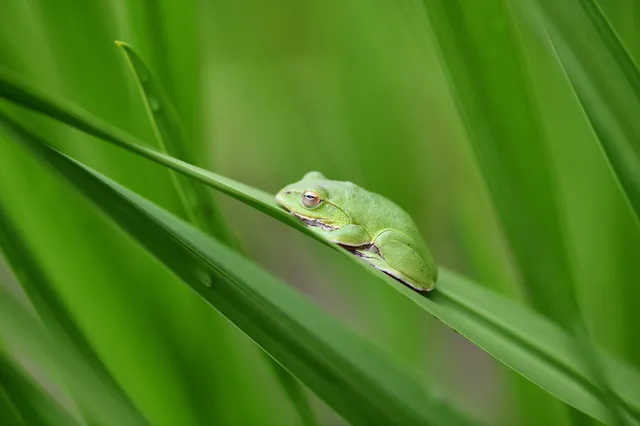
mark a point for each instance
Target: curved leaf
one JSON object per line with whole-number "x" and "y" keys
{"x": 198, "y": 206}
{"x": 520, "y": 338}
{"x": 358, "y": 380}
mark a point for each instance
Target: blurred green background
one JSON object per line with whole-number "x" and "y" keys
{"x": 267, "y": 91}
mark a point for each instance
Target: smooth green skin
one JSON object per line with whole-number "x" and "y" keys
{"x": 367, "y": 224}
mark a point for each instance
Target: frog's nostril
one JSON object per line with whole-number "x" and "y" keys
{"x": 288, "y": 193}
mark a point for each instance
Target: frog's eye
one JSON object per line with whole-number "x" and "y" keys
{"x": 310, "y": 199}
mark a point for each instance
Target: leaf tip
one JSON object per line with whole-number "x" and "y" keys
{"x": 121, "y": 44}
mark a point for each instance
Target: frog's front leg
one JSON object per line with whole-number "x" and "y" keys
{"x": 392, "y": 252}
{"x": 349, "y": 236}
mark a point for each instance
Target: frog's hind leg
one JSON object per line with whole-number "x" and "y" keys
{"x": 392, "y": 253}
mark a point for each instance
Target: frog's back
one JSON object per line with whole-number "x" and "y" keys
{"x": 373, "y": 211}
{"x": 378, "y": 214}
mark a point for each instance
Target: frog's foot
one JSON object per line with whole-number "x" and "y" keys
{"x": 371, "y": 254}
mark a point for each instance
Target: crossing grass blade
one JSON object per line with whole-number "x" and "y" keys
{"x": 199, "y": 208}
{"x": 197, "y": 205}
{"x": 520, "y": 338}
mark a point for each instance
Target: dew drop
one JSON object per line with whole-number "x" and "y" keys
{"x": 204, "y": 277}
{"x": 154, "y": 104}
{"x": 144, "y": 77}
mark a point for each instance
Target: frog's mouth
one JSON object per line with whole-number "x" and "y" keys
{"x": 314, "y": 222}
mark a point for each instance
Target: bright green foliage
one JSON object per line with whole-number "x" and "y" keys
{"x": 198, "y": 208}
{"x": 312, "y": 346}
{"x": 507, "y": 130}
{"x": 480, "y": 317}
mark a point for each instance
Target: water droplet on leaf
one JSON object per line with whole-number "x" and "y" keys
{"x": 204, "y": 277}
{"x": 144, "y": 77}
{"x": 154, "y": 104}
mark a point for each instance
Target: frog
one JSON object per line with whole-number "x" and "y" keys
{"x": 367, "y": 224}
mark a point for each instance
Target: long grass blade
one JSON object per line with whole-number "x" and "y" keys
{"x": 199, "y": 208}
{"x": 315, "y": 348}
{"x": 606, "y": 81}
{"x": 495, "y": 97}
{"x": 520, "y": 338}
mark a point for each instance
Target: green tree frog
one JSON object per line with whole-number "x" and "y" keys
{"x": 367, "y": 224}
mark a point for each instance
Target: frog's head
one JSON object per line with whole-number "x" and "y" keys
{"x": 312, "y": 199}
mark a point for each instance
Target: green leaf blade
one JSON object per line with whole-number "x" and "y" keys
{"x": 605, "y": 79}
{"x": 353, "y": 376}
{"x": 495, "y": 95}
{"x": 198, "y": 206}
{"x": 551, "y": 359}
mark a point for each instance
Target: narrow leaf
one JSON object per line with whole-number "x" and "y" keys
{"x": 605, "y": 78}
{"x": 199, "y": 208}
{"x": 494, "y": 94}
{"x": 358, "y": 380}
{"x": 522, "y": 339}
